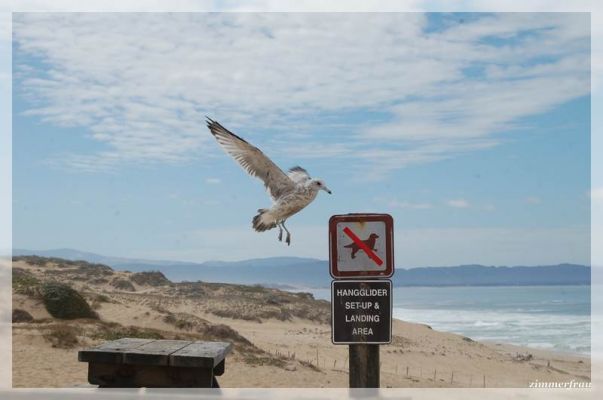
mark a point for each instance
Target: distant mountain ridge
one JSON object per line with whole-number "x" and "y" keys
{"x": 290, "y": 272}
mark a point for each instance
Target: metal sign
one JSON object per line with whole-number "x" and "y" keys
{"x": 361, "y": 245}
{"x": 361, "y": 311}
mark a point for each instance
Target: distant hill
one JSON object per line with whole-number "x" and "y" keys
{"x": 71, "y": 254}
{"x": 291, "y": 272}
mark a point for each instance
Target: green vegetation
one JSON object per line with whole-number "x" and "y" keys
{"x": 101, "y": 298}
{"x": 179, "y": 323}
{"x": 21, "y": 316}
{"x": 24, "y": 282}
{"x": 114, "y": 331}
{"x": 235, "y": 314}
{"x": 152, "y": 278}
{"x": 248, "y": 289}
{"x": 123, "y": 284}
{"x": 63, "y": 302}
{"x": 225, "y": 332}
{"x": 309, "y": 365}
{"x": 282, "y": 314}
{"x": 261, "y": 360}
{"x": 63, "y": 263}
{"x": 285, "y": 312}
{"x": 64, "y": 336}
{"x": 312, "y": 312}
{"x": 96, "y": 300}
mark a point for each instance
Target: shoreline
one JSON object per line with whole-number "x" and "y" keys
{"x": 561, "y": 353}
{"x": 281, "y": 339}
{"x": 498, "y": 322}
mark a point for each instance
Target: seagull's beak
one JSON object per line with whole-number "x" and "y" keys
{"x": 326, "y": 189}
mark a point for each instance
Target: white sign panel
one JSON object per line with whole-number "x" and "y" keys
{"x": 361, "y": 245}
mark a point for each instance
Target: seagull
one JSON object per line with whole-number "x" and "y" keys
{"x": 290, "y": 192}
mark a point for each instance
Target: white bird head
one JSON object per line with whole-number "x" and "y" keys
{"x": 319, "y": 184}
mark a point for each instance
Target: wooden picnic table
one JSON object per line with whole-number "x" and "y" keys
{"x": 132, "y": 362}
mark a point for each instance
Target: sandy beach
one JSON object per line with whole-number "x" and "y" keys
{"x": 280, "y": 339}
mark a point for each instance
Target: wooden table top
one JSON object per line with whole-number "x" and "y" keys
{"x": 175, "y": 353}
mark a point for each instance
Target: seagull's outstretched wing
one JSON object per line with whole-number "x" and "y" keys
{"x": 298, "y": 174}
{"x": 252, "y": 160}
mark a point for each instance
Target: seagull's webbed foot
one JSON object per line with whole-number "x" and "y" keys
{"x": 280, "y": 233}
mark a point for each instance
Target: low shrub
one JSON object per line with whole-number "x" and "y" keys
{"x": 24, "y": 282}
{"x": 152, "y": 278}
{"x": 63, "y": 336}
{"x": 123, "y": 284}
{"x": 21, "y": 316}
{"x": 63, "y": 302}
{"x": 114, "y": 331}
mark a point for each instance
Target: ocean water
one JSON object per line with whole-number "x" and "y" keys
{"x": 550, "y": 317}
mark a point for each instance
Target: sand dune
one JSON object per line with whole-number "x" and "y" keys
{"x": 281, "y": 339}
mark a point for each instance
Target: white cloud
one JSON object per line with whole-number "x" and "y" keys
{"x": 406, "y": 204}
{"x": 458, "y": 203}
{"x": 140, "y": 85}
{"x": 213, "y": 181}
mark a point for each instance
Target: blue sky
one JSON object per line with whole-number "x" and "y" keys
{"x": 471, "y": 130}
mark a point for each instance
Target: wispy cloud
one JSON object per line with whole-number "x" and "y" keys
{"x": 213, "y": 181}
{"x": 406, "y": 204}
{"x": 140, "y": 85}
{"x": 458, "y": 203}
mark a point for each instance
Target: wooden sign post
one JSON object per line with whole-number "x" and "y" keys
{"x": 361, "y": 256}
{"x": 364, "y": 365}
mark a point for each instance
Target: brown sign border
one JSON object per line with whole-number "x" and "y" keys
{"x": 389, "y": 246}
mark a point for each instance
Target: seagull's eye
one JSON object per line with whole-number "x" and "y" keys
{"x": 319, "y": 184}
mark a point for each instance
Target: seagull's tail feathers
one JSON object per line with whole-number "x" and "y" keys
{"x": 264, "y": 220}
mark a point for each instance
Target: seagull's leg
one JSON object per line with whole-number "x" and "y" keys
{"x": 288, "y": 239}
{"x": 280, "y": 232}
